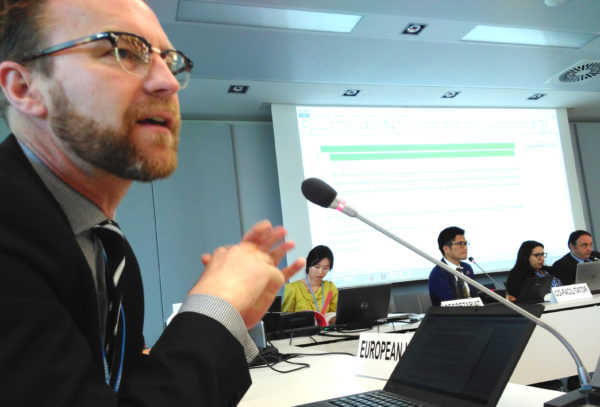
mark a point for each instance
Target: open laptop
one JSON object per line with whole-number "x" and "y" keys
{"x": 589, "y": 273}
{"x": 459, "y": 357}
{"x": 534, "y": 289}
{"x": 362, "y": 307}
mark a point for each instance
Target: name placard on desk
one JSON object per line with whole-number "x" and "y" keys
{"x": 465, "y": 302}
{"x": 571, "y": 292}
{"x": 379, "y": 353}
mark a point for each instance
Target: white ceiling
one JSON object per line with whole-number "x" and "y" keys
{"x": 307, "y": 67}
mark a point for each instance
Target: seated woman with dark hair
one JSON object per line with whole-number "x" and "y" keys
{"x": 529, "y": 264}
{"x": 312, "y": 293}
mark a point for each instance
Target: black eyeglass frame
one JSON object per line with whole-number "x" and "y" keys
{"x": 538, "y": 255}
{"x": 113, "y": 37}
{"x": 461, "y": 244}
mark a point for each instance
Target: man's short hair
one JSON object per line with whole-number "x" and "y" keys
{"x": 447, "y": 235}
{"x": 22, "y": 34}
{"x": 576, "y": 235}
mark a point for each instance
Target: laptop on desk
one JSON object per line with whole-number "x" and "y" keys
{"x": 534, "y": 289}
{"x": 589, "y": 273}
{"x": 362, "y": 307}
{"x": 459, "y": 357}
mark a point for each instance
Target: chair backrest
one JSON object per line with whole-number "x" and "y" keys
{"x": 405, "y": 303}
{"x": 424, "y": 302}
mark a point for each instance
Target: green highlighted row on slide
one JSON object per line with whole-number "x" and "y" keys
{"x": 415, "y": 151}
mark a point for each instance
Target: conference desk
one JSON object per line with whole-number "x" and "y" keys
{"x": 334, "y": 376}
{"x": 544, "y": 358}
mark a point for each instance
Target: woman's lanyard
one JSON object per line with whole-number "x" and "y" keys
{"x": 315, "y": 298}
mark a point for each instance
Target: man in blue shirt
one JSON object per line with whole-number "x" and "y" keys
{"x": 444, "y": 286}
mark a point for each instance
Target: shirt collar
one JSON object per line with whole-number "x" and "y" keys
{"x": 449, "y": 263}
{"x": 81, "y": 213}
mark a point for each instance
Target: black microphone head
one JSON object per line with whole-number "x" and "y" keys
{"x": 471, "y": 259}
{"x": 318, "y": 192}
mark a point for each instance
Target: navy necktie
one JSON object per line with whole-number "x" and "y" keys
{"x": 114, "y": 251}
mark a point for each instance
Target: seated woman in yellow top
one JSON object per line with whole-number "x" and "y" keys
{"x": 311, "y": 293}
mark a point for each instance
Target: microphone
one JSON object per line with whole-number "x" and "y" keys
{"x": 320, "y": 193}
{"x": 472, "y": 260}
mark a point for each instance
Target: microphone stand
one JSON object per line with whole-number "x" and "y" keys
{"x": 496, "y": 285}
{"x": 583, "y": 394}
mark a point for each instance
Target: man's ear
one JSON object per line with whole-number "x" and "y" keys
{"x": 17, "y": 83}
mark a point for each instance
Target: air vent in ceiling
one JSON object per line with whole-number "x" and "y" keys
{"x": 581, "y": 71}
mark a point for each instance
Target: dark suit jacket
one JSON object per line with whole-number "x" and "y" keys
{"x": 565, "y": 268}
{"x": 441, "y": 284}
{"x": 50, "y": 352}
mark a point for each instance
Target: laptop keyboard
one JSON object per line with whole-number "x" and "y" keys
{"x": 373, "y": 399}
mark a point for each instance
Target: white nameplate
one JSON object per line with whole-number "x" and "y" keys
{"x": 571, "y": 292}
{"x": 465, "y": 302}
{"x": 379, "y": 353}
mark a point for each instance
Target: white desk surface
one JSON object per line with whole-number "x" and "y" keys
{"x": 332, "y": 342}
{"x": 550, "y": 307}
{"x": 544, "y": 358}
{"x": 333, "y": 376}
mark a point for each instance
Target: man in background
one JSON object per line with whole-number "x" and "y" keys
{"x": 580, "y": 251}
{"x": 89, "y": 91}
{"x": 444, "y": 286}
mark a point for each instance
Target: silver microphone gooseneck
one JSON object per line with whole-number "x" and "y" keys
{"x": 496, "y": 285}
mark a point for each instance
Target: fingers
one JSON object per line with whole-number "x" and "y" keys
{"x": 270, "y": 237}
{"x": 256, "y": 232}
{"x": 267, "y": 237}
{"x": 244, "y": 275}
{"x": 264, "y": 235}
{"x": 280, "y": 250}
{"x": 292, "y": 269}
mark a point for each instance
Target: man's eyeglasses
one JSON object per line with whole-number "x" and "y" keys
{"x": 539, "y": 255}
{"x": 134, "y": 54}
{"x": 461, "y": 244}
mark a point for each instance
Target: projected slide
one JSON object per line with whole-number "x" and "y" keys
{"x": 498, "y": 173}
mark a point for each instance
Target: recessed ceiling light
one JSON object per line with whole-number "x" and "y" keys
{"x": 240, "y": 89}
{"x": 554, "y": 3}
{"x": 450, "y": 94}
{"x": 536, "y": 96}
{"x": 234, "y": 14}
{"x": 528, "y": 36}
{"x": 351, "y": 92}
{"x": 414, "y": 28}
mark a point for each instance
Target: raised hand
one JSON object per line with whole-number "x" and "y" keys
{"x": 246, "y": 274}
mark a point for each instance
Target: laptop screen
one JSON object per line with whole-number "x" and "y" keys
{"x": 589, "y": 273}
{"x": 361, "y": 306}
{"x": 534, "y": 289}
{"x": 462, "y": 357}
